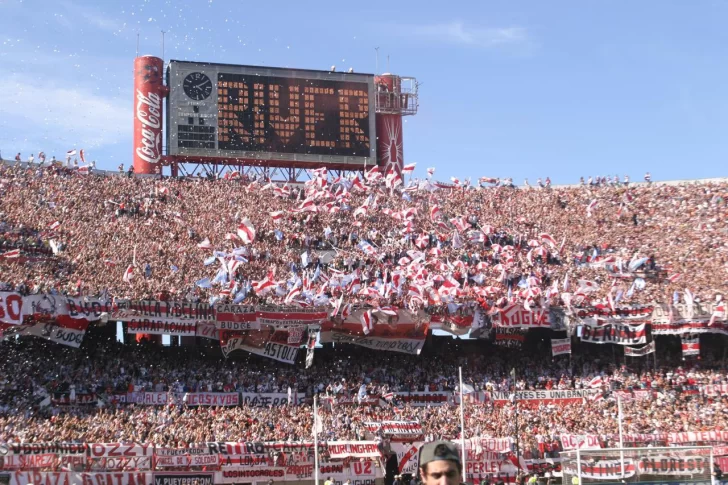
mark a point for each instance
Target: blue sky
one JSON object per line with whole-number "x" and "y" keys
{"x": 521, "y": 89}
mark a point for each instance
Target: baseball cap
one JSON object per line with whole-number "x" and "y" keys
{"x": 438, "y": 450}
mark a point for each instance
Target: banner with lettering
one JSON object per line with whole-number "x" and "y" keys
{"x": 613, "y": 333}
{"x": 266, "y": 399}
{"x": 208, "y": 330}
{"x": 580, "y": 442}
{"x": 553, "y": 396}
{"x": 405, "y": 332}
{"x": 183, "y": 478}
{"x": 51, "y": 330}
{"x": 11, "y": 308}
{"x": 632, "y": 312}
{"x": 237, "y": 318}
{"x": 516, "y": 316}
{"x": 267, "y": 342}
{"x": 396, "y": 430}
{"x": 339, "y": 450}
{"x": 510, "y": 337}
{"x": 408, "y": 456}
{"x": 159, "y": 326}
{"x": 677, "y": 465}
{"x": 172, "y": 311}
{"x": 604, "y": 469}
{"x": 250, "y": 475}
{"x": 425, "y": 398}
{"x": 120, "y": 463}
{"x": 91, "y": 478}
{"x": 189, "y": 398}
{"x": 489, "y": 445}
{"x": 640, "y": 352}
{"x": 282, "y": 316}
{"x": 560, "y": 346}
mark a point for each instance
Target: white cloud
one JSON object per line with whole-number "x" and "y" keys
{"x": 71, "y": 114}
{"x": 459, "y": 33}
{"x": 88, "y": 16}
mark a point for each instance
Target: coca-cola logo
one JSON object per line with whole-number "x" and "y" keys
{"x": 149, "y": 114}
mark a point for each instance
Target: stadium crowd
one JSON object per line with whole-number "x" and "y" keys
{"x": 111, "y": 369}
{"x": 129, "y": 237}
{"x": 145, "y": 238}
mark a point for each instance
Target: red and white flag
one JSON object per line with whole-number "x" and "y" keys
{"x": 367, "y": 322}
{"x": 246, "y": 231}
{"x": 346, "y": 311}
{"x": 431, "y": 171}
{"x": 82, "y": 155}
{"x": 718, "y": 313}
{"x": 434, "y": 213}
{"x": 15, "y": 253}
{"x": 128, "y": 274}
{"x": 547, "y": 238}
{"x": 277, "y": 216}
{"x": 70, "y": 153}
{"x": 54, "y": 225}
{"x": 596, "y": 382}
{"x": 205, "y": 244}
{"x": 407, "y": 169}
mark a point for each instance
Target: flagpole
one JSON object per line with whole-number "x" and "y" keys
{"x": 621, "y": 434}
{"x": 462, "y": 422}
{"x": 315, "y": 440}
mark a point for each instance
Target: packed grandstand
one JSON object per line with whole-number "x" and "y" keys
{"x": 350, "y": 290}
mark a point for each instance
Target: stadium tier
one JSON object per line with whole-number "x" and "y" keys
{"x": 342, "y": 289}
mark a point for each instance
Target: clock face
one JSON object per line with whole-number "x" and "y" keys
{"x": 197, "y": 86}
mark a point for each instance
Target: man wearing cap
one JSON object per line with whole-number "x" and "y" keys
{"x": 440, "y": 464}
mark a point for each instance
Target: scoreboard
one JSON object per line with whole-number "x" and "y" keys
{"x": 228, "y": 111}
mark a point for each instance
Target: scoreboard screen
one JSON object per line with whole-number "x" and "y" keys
{"x": 226, "y": 111}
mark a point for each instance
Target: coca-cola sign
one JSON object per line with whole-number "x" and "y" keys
{"x": 148, "y": 112}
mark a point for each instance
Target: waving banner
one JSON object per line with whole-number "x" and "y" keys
{"x": 405, "y": 332}
{"x": 267, "y": 342}
{"x": 640, "y": 352}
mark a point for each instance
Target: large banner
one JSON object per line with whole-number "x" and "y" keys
{"x": 267, "y": 342}
{"x": 73, "y": 478}
{"x": 456, "y": 324}
{"x": 406, "y": 332}
{"x": 188, "y": 398}
{"x": 156, "y": 310}
{"x": 613, "y": 333}
{"x": 553, "y": 396}
{"x": 516, "y": 316}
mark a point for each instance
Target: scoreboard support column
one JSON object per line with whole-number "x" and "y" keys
{"x": 149, "y": 91}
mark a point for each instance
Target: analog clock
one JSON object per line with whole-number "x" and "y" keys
{"x": 197, "y": 86}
